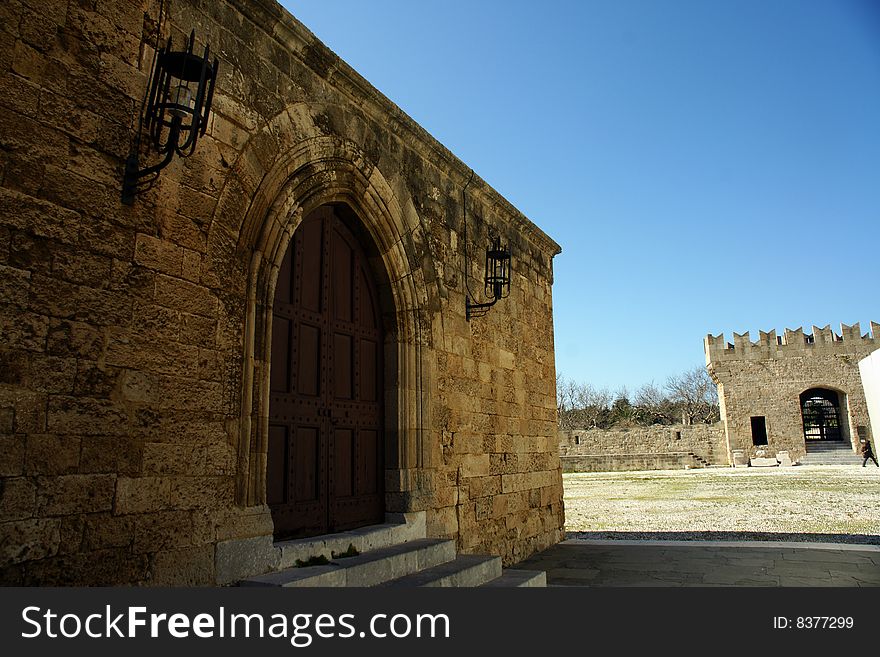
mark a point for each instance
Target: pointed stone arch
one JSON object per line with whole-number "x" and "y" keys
{"x": 284, "y": 172}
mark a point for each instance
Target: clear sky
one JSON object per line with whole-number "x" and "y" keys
{"x": 706, "y": 165}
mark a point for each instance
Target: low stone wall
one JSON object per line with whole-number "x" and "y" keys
{"x": 626, "y": 462}
{"x": 643, "y": 448}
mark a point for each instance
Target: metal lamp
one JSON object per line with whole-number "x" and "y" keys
{"x": 176, "y": 114}
{"x": 496, "y": 280}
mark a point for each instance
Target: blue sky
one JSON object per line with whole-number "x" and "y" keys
{"x": 707, "y": 166}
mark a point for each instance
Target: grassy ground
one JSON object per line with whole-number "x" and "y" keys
{"x": 840, "y": 503}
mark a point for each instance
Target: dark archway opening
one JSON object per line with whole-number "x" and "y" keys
{"x": 325, "y": 461}
{"x": 820, "y": 410}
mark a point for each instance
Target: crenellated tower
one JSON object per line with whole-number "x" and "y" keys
{"x": 794, "y": 391}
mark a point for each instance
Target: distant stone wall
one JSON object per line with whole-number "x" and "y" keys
{"x": 764, "y": 379}
{"x": 643, "y": 448}
{"x": 628, "y": 462}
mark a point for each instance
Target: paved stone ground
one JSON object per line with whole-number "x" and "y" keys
{"x": 816, "y": 525}
{"x": 601, "y": 563}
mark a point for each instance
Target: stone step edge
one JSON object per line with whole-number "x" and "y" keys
{"x": 466, "y": 570}
{"x": 369, "y": 569}
{"x": 515, "y": 578}
{"x": 398, "y": 528}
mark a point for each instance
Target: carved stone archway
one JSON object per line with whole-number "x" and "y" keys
{"x": 318, "y": 171}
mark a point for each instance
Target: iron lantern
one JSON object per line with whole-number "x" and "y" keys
{"x": 496, "y": 279}
{"x": 176, "y": 114}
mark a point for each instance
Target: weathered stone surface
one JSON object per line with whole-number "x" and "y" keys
{"x": 185, "y": 567}
{"x": 52, "y": 454}
{"x": 28, "y": 540}
{"x": 239, "y": 558}
{"x": 765, "y": 379}
{"x": 133, "y": 338}
{"x": 141, "y": 494}
{"x": 11, "y": 449}
{"x": 70, "y": 494}
{"x": 17, "y": 499}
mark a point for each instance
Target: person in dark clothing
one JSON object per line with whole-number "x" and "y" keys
{"x": 868, "y": 454}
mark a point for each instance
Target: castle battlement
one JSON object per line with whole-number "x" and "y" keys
{"x": 792, "y": 343}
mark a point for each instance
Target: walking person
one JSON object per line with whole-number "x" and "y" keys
{"x": 868, "y": 454}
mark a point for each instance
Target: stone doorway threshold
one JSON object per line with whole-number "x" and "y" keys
{"x": 398, "y": 528}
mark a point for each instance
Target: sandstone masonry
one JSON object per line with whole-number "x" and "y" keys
{"x": 134, "y": 355}
{"x": 765, "y": 379}
{"x": 643, "y": 448}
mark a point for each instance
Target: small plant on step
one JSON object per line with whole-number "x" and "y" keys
{"x": 352, "y": 551}
{"x": 319, "y": 560}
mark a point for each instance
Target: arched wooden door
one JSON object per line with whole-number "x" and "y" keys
{"x": 325, "y": 464}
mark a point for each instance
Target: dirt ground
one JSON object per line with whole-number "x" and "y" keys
{"x": 813, "y": 503}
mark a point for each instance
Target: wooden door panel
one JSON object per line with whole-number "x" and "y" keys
{"x": 343, "y": 460}
{"x": 325, "y": 453}
{"x": 308, "y": 356}
{"x": 280, "y": 374}
{"x": 277, "y": 465}
{"x": 343, "y": 367}
{"x": 307, "y": 464}
{"x": 310, "y": 274}
{"x": 368, "y": 467}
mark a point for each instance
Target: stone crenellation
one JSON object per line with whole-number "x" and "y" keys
{"x": 792, "y": 343}
{"x": 761, "y": 386}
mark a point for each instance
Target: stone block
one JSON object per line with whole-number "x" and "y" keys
{"x": 142, "y": 494}
{"x": 166, "y": 530}
{"x": 157, "y": 254}
{"x": 239, "y": 558}
{"x": 28, "y": 540}
{"x": 202, "y": 492}
{"x": 17, "y": 499}
{"x": 184, "y": 567}
{"x": 107, "y": 531}
{"x": 185, "y": 296}
{"x": 52, "y": 454}
{"x": 81, "y": 415}
{"x": 474, "y": 465}
{"x": 71, "y": 338}
{"x": 12, "y": 451}
{"x": 199, "y": 331}
{"x": 71, "y": 494}
{"x": 24, "y": 331}
{"x": 14, "y": 286}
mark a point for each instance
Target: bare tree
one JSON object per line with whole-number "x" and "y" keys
{"x": 580, "y": 405}
{"x": 695, "y": 394}
{"x": 653, "y": 406}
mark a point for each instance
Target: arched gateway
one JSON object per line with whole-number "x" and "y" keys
{"x": 325, "y": 451}
{"x": 820, "y": 409}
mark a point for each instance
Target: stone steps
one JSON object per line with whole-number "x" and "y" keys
{"x": 513, "y": 578}
{"x": 397, "y": 529}
{"x": 466, "y": 570}
{"x": 367, "y": 569}
{"x": 420, "y": 562}
{"x": 830, "y": 453}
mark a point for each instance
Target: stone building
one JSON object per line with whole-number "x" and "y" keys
{"x": 794, "y": 392}
{"x": 270, "y": 342}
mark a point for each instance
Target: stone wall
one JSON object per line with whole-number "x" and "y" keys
{"x": 766, "y": 378}
{"x": 133, "y": 340}
{"x": 643, "y": 448}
